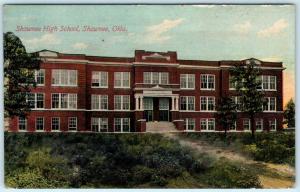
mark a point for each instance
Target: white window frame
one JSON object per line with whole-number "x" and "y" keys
{"x": 206, "y": 100}
{"x": 269, "y": 105}
{"x": 187, "y": 98}
{"x": 52, "y": 118}
{"x": 24, "y": 122}
{"x": 100, "y": 122}
{"x": 68, "y": 100}
{"x": 122, "y": 80}
{"x": 70, "y": 121}
{"x": 37, "y": 73}
{"x": 122, "y": 102}
{"x": 36, "y": 124}
{"x": 229, "y": 81}
{"x": 268, "y": 78}
{"x": 61, "y": 75}
{"x": 206, "y": 120}
{"x": 262, "y": 124}
{"x": 270, "y": 122}
{"x": 207, "y": 82}
{"x": 99, "y": 75}
{"x": 188, "y": 122}
{"x": 186, "y": 78}
{"x": 152, "y": 79}
{"x": 35, "y": 100}
{"x": 100, "y": 99}
{"x": 233, "y": 128}
{"x": 122, "y": 125}
{"x": 249, "y": 124}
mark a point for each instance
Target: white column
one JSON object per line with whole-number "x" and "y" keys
{"x": 141, "y": 103}
{"x": 176, "y": 103}
{"x": 173, "y": 103}
{"x": 136, "y": 103}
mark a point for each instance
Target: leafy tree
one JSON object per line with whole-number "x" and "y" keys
{"x": 289, "y": 113}
{"x": 246, "y": 79}
{"x": 227, "y": 112}
{"x": 19, "y": 78}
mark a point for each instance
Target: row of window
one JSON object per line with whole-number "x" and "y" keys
{"x": 268, "y": 83}
{"x": 63, "y": 77}
{"x": 122, "y": 102}
{"x": 97, "y": 124}
{"x": 123, "y": 124}
{"x": 208, "y": 124}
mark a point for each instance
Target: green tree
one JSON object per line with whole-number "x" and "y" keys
{"x": 19, "y": 78}
{"x": 227, "y": 112}
{"x": 248, "y": 86}
{"x": 289, "y": 113}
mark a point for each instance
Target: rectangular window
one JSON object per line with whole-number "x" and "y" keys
{"x": 207, "y": 103}
{"x": 246, "y": 124}
{"x": 187, "y": 103}
{"x": 99, "y": 102}
{"x": 122, "y": 102}
{"x": 40, "y": 77}
{"x": 122, "y": 124}
{"x": 207, "y": 124}
{"x": 233, "y": 127}
{"x": 122, "y": 79}
{"x": 259, "y": 124}
{"x": 148, "y": 104}
{"x": 64, "y": 77}
{"x": 35, "y": 100}
{"x": 39, "y": 123}
{"x": 99, "y": 79}
{"x": 271, "y": 104}
{"x": 99, "y": 124}
{"x": 273, "y": 125}
{"x": 189, "y": 124}
{"x": 22, "y": 124}
{"x": 64, "y": 101}
{"x": 268, "y": 82}
{"x": 238, "y": 101}
{"x": 232, "y": 84}
{"x": 55, "y": 123}
{"x": 207, "y": 82}
{"x": 187, "y": 81}
{"x": 156, "y": 78}
{"x": 72, "y": 123}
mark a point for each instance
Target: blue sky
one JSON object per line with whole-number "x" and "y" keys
{"x": 206, "y": 32}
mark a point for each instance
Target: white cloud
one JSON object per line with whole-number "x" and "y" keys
{"x": 46, "y": 39}
{"x": 204, "y": 6}
{"x": 155, "y": 33}
{"x": 243, "y": 28}
{"x": 80, "y": 46}
{"x": 276, "y": 28}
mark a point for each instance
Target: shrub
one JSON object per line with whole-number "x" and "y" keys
{"x": 227, "y": 174}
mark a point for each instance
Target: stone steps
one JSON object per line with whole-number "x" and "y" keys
{"x": 159, "y": 126}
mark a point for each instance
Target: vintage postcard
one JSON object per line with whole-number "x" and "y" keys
{"x": 149, "y": 96}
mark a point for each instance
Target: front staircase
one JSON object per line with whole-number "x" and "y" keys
{"x": 160, "y": 126}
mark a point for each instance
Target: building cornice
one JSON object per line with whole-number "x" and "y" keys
{"x": 178, "y": 65}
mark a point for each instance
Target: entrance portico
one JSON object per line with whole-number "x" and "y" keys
{"x": 157, "y": 105}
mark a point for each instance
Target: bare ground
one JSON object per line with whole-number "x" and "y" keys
{"x": 270, "y": 175}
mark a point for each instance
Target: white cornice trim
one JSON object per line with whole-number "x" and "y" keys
{"x": 88, "y": 62}
{"x": 199, "y": 67}
{"x": 261, "y": 67}
{"x": 156, "y": 64}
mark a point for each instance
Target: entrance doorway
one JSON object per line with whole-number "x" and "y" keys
{"x": 163, "y": 109}
{"x": 156, "y": 109}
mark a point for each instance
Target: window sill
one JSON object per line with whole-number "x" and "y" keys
{"x": 202, "y": 89}
{"x": 187, "y": 89}
{"x": 64, "y": 85}
{"x": 122, "y": 87}
{"x": 95, "y": 87}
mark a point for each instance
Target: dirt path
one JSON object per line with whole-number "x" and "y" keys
{"x": 273, "y": 176}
